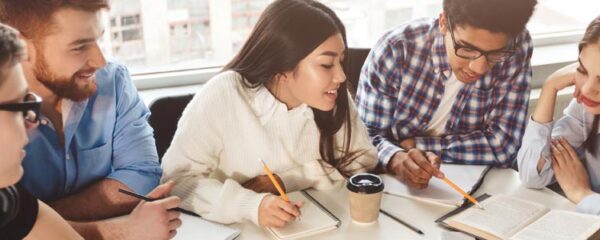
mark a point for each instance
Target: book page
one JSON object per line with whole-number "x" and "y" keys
{"x": 560, "y": 225}
{"x": 464, "y": 176}
{"x": 503, "y": 215}
{"x": 313, "y": 220}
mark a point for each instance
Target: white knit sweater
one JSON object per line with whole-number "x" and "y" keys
{"x": 225, "y": 131}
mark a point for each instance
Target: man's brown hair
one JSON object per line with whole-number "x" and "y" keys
{"x": 499, "y": 16}
{"x": 12, "y": 50}
{"x": 33, "y": 18}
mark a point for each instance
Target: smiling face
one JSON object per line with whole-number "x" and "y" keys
{"x": 66, "y": 60}
{"x": 587, "y": 79}
{"x": 465, "y": 70}
{"x": 317, "y": 78}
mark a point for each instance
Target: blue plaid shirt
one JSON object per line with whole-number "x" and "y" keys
{"x": 401, "y": 85}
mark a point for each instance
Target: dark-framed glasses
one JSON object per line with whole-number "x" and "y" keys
{"x": 29, "y": 107}
{"x": 472, "y": 53}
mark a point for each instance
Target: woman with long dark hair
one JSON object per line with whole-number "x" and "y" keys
{"x": 567, "y": 151}
{"x": 283, "y": 100}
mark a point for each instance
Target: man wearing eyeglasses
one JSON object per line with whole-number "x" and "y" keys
{"x": 453, "y": 89}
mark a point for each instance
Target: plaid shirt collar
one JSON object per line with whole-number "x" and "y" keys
{"x": 439, "y": 56}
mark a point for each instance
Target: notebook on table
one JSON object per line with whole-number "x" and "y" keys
{"x": 315, "y": 219}
{"x": 507, "y": 217}
{"x": 467, "y": 177}
{"x": 194, "y": 227}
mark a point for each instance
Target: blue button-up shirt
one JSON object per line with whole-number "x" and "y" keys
{"x": 402, "y": 83}
{"x": 106, "y": 136}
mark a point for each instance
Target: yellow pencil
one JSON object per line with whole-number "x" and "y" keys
{"x": 465, "y": 194}
{"x": 275, "y": 182}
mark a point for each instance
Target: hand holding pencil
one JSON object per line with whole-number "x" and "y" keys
{"x": 277, "y": 211}
{"x": 415, "y": 167}
{"x": 156, "y": 218}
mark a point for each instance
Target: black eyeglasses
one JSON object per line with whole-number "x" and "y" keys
{"x": 30, "y": 107}
{"x": 472, "y": 53}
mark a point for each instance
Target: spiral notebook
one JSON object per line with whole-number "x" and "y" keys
{"x": 315, "y": 219}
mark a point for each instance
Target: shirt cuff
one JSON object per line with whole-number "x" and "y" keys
{"x": 140, "y": 183}
{"x": 540, "y": 134}
{"x": 387, "y": 151}
{"x": 250, "y": 207}
{"x": 590, "y": 204}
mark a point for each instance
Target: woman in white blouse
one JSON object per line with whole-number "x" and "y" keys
{"x": 283, "y": 99}
{"x": 567, "y": 151}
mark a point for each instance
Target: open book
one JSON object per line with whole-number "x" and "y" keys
{"x": 506, "y": 217}
{"x": 467, "y": 177}
{"x": 314, "y": 219}
{"x": 194, "y": 227}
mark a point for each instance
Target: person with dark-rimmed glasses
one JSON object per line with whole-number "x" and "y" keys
{"x": 453, "y": 89}
{"x": 22, "y": 216}
{"x": 29, "y": 107}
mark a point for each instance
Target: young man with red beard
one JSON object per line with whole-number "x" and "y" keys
{"x": 94, "y": 137}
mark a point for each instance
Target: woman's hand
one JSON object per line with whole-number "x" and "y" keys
{"x": 275, "y": 212}
{"x": 569, "y": 171}
{"x": 562, "y": 78}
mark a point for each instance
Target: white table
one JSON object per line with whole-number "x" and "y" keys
{"x": 420, "y": 214}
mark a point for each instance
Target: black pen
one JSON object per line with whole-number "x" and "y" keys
{"x": 154, "y": 199}
{"x": 401, "y": 222}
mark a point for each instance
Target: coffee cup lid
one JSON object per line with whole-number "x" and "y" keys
{"x": 365, "y": 183}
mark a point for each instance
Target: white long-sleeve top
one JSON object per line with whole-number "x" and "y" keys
{"x": 224, "y": 132}
{"x": 575, "y": 127}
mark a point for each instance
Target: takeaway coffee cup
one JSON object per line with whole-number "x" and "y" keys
{"x": 365, "y": 191}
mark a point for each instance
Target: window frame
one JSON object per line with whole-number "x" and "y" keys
{"x": 543, "y": 45}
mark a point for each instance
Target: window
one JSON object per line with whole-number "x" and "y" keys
{"x": 130, "y": 20}
{"x": 172, "y": 35}
{"x": 131, "y": 35}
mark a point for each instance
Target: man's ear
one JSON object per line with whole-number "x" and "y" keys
{"x": 28, "y": 64}
{"x": 31, "y": 53}
{"x": 443, "y": 22}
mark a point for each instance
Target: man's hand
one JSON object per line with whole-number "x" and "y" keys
{"x": 415, "y": 167}
{"x": 569, "y": 171}
{"x": 408, "y": 143}
{"x": 156, "y": 219}
{"x": 262, "y": 184}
